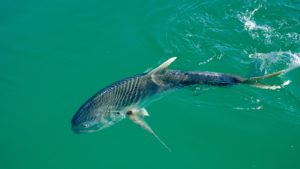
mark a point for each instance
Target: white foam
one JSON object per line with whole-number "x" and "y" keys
{"x": 286, "y": 83}
{"x": 250, "y": 25}
{"x": 249, "y": 22}
{"x": 255, "y": 30}
{"x": 273, "y": 59}
{"x": 262, "y": 30}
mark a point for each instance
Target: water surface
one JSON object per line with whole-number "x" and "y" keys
{"x": 56, "y": 54}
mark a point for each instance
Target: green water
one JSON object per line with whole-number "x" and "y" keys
{"x": 54, "y": 55}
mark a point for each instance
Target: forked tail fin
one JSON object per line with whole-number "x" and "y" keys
{"x": 255, "y": 81}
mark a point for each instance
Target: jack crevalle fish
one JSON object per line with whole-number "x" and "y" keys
{"x": 129, "y": 97}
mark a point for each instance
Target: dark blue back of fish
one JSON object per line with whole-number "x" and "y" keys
{"x": 173, "y": 78}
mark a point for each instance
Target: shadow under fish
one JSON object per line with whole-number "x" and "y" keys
{"x": 129, "y": 97}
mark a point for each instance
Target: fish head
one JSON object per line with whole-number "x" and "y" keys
{"x": 84, "y": 122}
{"x": 89, "y": 120}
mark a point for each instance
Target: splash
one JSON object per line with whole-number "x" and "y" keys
{"x": 255, "y": 30}
{"x": 266, "y": 30}
{"x": 249, "y": 22}
{"x": 268, "y": 62}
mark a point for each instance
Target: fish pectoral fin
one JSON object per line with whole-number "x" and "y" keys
{"x": 139, "y": 112}
{"x": 133, "y": 115}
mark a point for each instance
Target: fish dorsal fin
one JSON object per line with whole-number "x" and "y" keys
{"x": 161, "y": 68}
{"x": 137, "y": 115}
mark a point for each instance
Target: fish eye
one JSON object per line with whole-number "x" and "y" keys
{"x": 85, "y": 125}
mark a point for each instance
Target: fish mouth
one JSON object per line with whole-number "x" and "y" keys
{"x": 84, "y": 131}
{"x": 79, "y": 130}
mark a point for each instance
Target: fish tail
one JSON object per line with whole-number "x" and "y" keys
{"x": 256, "y": 81}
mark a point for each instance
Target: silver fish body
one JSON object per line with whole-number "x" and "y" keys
{"x": 128, "y": 97}
{"x": 111, "y": 104}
